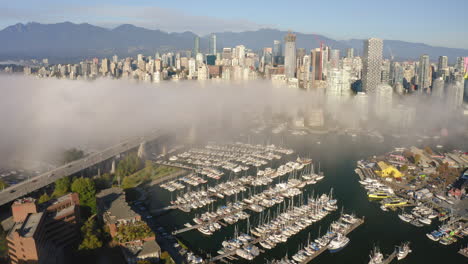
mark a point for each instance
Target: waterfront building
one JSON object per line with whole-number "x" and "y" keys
{"x": 41, "y": 236}
{"x": 372, "y": 62}
{"x": 386, "y": 170}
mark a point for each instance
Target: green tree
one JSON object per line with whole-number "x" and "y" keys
{"x": 143, "y": 261}
{"x": 71, "y": 155}
{"x": 87, "y": 192}
{"x": 91, "y": 235}
{"x": 3, "y": 184}
{"x": 44, "y": 198}
{"x": 129, "y": 165}
{"x": 404, "y": 168}
{"x": 428, "y": 150}
{"x": 104, "y": 181}
{"x": 62, "y": 187}
{"x": 3, "y": 243}
{"x": 417, "y": 158}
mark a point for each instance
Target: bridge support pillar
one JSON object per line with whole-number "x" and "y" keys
{"x": 142, "y": 150}
{"x": 112, "y": 171}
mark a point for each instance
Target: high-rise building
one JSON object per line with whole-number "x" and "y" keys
{"x": 442, "y": 66}
{"x": 317, "y": 64}
{"x": 455, "y": 95}
{"x": 383, "y": 100}
{"x": 290, "y": 55}
{"x": 334, "y": 59}
{"x": 306, "y": 72}
{"x": 240, "y": 54}
{"x": 277, "y": 52}
{"x": 424, "y": 73}
{"x": 196, "y": 45}
{"x": 372, "y": 62}
{"x": 277, "y": 48}
{"x": 227, "y": 53}
{"x": 212, "y": 46}
{"x": 350, "y": 53}
{"x": 438, "y": 88}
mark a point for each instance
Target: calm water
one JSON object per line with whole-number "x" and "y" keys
{"x": 337, "y": 156}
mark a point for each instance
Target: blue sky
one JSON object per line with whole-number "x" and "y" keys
{"x": 435, "y": 22}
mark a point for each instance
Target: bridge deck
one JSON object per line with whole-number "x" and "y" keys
{"x": 23, "y": 188}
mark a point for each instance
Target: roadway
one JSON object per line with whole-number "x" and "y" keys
{"x": 25, "y": 187}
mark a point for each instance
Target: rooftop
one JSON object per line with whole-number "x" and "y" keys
{"x": 29, "y": 226}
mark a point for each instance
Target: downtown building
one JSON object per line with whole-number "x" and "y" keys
{"x": 290, "y": 55}
{"x": 44, "y": 236}
{"x": 372, "y": 63}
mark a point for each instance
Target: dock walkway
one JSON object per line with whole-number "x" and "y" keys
{"x": 320, "y": 251}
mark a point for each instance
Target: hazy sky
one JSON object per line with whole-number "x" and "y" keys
{"x": 435, "y": 22}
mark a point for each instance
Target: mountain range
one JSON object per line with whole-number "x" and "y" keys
{"x": 66, "y": 42}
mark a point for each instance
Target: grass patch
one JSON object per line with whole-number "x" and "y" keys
{"x": 151, "y": 172}
{"x": 167, "y": 258}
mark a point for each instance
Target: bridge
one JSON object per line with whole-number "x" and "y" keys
{"x": 25, "y": 187}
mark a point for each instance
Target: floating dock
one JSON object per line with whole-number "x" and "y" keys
{"x": 320, "y": 251}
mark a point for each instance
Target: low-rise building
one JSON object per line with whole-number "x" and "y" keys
{"x": 119, "y": 216}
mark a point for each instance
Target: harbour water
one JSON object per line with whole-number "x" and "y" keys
{"x": 337, "y": 155}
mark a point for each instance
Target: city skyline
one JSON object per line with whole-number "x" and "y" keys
{"x": 204, "y": 18}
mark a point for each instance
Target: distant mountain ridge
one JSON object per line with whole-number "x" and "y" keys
{"x": 70, "y": 42}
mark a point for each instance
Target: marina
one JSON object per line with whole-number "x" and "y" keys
{"x": 292, "y": 220}
{"x": 338, "y": 229}
{"x": 236, "y": 221}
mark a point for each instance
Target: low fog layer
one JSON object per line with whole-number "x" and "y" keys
{"x": 40, "y": 117}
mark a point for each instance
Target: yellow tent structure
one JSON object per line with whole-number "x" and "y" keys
{"x": 388, "y": 170}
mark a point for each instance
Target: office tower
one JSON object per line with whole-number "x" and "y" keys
{"x": 424, "y": 73}
{"x": 115, "y": 58}
{"x": 383, "y": 100}
{"x": 350, "y": 53}
{"x": 196, "y": 45}
{"x": 459, "y": 64}
{"x": 396, "y": 73}
{"x": 227, "y": 53}
{"x": 199, "y": 59}
{"x": 277, "y": 52}
{"x": 104, "y": 66}
{"x": 290, "y": 55}
{"x": 240, "y": 54}
{"x": 455, "y": 95}
{"x": 438, "y": 88}
{"x": 334, "y": 59}
{"x": 317, "y": 64}
{"x": 372, "y": 62}
{"x": 442, "y": 67}
{"x": 385, "y": 74}
{"x": 277, "y": 48}
{"x": 212, "y": 44}
{"x": 306, "y": 67}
